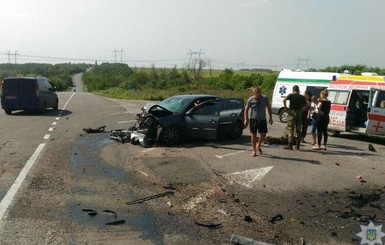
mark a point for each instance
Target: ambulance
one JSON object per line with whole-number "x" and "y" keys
{"x": 358, "y": 105}
{"x": 314, "y": 82}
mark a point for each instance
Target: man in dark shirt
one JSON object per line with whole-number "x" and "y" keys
{"x": 294, "y": 119}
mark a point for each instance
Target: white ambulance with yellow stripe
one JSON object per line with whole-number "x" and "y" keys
{"x": 358, "y": 105}
{"x": 314, "y": 82}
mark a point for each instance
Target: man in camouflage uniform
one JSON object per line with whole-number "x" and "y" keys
{"x": 294, "y": 119}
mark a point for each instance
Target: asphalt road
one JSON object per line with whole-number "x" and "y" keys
{"x": 78, "y": 179}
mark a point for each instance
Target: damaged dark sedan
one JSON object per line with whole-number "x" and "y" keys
{"x": 190, "y": 116}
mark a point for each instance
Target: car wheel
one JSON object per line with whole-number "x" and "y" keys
{"x": 333, "y": 133}
{"x": 283, "y": 116}
{"x": 237, "y": 130}
{"x": 169, "y": 136}
{"x": 56, "y": 106}
{"x": 43, "y": 108}
{"x": 8, "y": 112}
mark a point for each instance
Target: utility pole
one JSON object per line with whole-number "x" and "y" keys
{"x": 16, "y": 54}
{"x": 116, "y": 55}
{"x": 121, "y": 55}
{"x": 9, "y": 56}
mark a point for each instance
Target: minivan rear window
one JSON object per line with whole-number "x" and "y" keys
{"x": 19, "y": 84}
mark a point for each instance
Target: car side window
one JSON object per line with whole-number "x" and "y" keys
{"x": 48, "y": 84}
{"x": 210, "y": 108}
{"x": 41, "y": 84}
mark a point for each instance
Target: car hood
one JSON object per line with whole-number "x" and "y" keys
{"x": 156, "y": 110}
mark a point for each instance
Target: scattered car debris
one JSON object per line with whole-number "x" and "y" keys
{"x": 117, "y": 222}
{"x": 371, "y": 148}
{"x": 363, "y": 199}
{"x": 302, "y": 241}
{"x": 141, "y": 200}
{"x": 111, "y": 212}
{"x": 169, "y": 186}
{"x": 375, "y": 205}
{"x": 360, "y": 179}
{"x": 247, "y": 218}
{"x": 241, "y": 240}
{"x": 208, "y": 224}
{"x": 90, "y": 212}
{"x": 275, "y": 218}
{"x": 94, "y": 130}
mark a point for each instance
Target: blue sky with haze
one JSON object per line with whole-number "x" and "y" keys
{"x": 264, "y": 33}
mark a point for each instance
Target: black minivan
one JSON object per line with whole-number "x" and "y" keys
{"x": 28, "y": 93}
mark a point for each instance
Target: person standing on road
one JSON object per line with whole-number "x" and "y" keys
{"x": 313, "y": 114}
{"x": 294, "y": 119}
{"x": 305, "y": 119}
{"x": 323, "y": 120}
{"x": 258, "y": 103}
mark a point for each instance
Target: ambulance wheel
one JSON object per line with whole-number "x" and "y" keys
{"x": 333, "y": 133}
{"x": 283, "y": 116}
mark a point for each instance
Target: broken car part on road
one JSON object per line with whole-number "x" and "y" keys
{"x": 141, "y": 200}
{"x": 95, "y": 130}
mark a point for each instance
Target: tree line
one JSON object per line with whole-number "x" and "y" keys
{"x": 58, "y": 74}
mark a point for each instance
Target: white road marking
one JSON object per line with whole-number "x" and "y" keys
{"x": 230, "y": 154}
{"x": 57, "y": 118}
{"x": 249, "y": 177}
{"x": 124, "y": 112}
{"x": 68, "y": 101}
{"x": 358, "y": 157}
{"x": 147, "y": 150}
{"x": 8, "y": 198}
{"x": 51, "y": 129}
{"x": 54, "y": 123}
{"x": 46, "y": 137}
{"x": 121, "y": 122}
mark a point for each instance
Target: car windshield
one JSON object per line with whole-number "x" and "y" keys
{"x": 176, "y": 104}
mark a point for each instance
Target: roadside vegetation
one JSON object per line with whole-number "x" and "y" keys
{"x": 121, "y": 81}
{"x": 60, "y": 75}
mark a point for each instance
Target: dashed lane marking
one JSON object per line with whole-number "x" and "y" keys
{"x": 230, "y": 154}
{"x": 54, "y": 123}
{"x": 57, "y": 118}
{"x": 51, "y": 129}
{"x": 46, "y": 137}
{"x": 249, "y": 177}
{"x": 8, "y": 198}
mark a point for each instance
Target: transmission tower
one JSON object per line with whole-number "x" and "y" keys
{"x": 305, "y": 61}
{"x": 8, "y": 54}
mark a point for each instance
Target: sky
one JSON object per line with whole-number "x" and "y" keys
{"x": 230, "y": 33}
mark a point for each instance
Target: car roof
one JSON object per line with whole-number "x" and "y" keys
{"x": 196, "y": 96}
{"x": 22, "y": 78}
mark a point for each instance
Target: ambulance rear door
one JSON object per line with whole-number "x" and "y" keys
{"x": 376, "y": 113}
{"x": 339, "y": 106}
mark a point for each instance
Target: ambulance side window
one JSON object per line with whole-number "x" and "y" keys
{"x": 339, "y": 97}
{"x": 380, "y": 99}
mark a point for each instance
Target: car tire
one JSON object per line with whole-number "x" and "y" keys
{"x": 56, "y": 106}
{"x": 8, "y": 111}
{"x": 43, "y": 108}
{"x": 169, "y": 136}
{"x": 333, "y": 133}
{"x": 237, "y": 130}
{"x": 283, "y": 116}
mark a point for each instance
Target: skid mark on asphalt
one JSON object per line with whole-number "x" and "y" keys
{"x": 230, "y": 154}
{"x": 249, "y": 177}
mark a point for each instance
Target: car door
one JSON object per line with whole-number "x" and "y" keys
{"x": 230, "y": 113}
{"x": 202, "y": 121}
{"x": 51, "y": 95}
{"x": 376, "y": 113}
{"x": 339, "y": 108}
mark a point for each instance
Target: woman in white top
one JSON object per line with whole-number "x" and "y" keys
{"x": 312, "y": 114}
